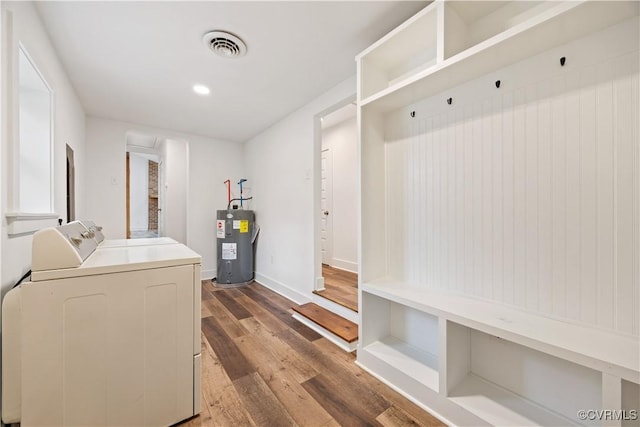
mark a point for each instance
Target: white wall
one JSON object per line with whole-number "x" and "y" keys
{"x": 211, "y": 162}
{"x": 138, "y": 192}
{"x": 175, "y": 157}
{"x": 342, "y": 141}
{"x": 69, "y": 127}
{"x": 280, "y": 169}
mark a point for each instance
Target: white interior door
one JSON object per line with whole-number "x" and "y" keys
{"x": 326, "y": 197}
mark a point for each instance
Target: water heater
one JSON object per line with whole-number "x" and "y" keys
{"x": 236, "y": 232}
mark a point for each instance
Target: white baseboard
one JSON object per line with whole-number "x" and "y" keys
{"x": 344, "y": 265}
{"x": 291, "y": 294}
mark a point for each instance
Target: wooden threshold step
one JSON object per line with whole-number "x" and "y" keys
{"x": 338, "y": 326}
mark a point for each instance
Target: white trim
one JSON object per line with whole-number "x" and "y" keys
{"x": 349, "y": 347}
{"x": 23, "y": 223}
{"x": 345, "y": 265}
{"x": 187, "y": 186}
{"x": 279, "y": 288}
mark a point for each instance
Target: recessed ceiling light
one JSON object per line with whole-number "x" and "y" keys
{"x": 201, "y": 89}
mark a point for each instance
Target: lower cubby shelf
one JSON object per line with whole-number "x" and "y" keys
{"x": 509, "y": 384}
{"x": 402, "y": 337}
{"x": 501, "y": 407}
{"x": 395, "y": 374}
{"x": 412, "y": 361}
{"x": 439, "y": 351}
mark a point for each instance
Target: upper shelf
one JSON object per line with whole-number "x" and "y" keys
{"x": 473, "y": 39}
{"x": 410, "y": 48}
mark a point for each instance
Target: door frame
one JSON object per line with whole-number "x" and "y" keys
{"x": 318, "y": 283}
{"x": 128, "y": 196}
{"x": 71, "y": 185}
{"x": 328, "y": 250}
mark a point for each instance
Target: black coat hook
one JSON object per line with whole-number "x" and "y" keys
{"x": 497, "y": 83}
{"x": 449, "y": 101}
{"x": 562, "y": 61}
{"x": 413, "y": 114}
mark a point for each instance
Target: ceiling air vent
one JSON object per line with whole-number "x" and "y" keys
{"x": 225, "y": 44}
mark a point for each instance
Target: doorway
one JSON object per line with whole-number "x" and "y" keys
{"x": 156, "y": 187}
{"x": 338, "y": 218}
{"x": 142, "y": 191}
{"x": 71, "y": 186}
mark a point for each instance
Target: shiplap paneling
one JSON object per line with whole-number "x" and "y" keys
{"x": 526, "y": 195}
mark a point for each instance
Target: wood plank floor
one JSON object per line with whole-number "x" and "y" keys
{"x": 260, "y": 367}
{"x": 340, "y": 286}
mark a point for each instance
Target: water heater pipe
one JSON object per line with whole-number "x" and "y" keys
{"x": 240, "y": 183}
{"x": 228, "y": 182}
{"x": 234, "y": 200}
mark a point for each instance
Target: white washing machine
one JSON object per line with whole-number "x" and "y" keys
{"x": 102, "y": 337}
{"x": 96, "y": 232}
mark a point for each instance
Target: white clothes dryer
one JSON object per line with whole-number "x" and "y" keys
{"x": 102, "y": 337}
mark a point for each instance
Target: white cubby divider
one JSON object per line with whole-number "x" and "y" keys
{"x": 499, "y": 271}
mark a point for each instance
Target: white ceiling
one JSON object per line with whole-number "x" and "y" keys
{"x": 137, "y": 61}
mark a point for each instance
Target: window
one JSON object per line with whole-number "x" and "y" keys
{"x": 35, "y": 139}
{"x": 31, "y": 199}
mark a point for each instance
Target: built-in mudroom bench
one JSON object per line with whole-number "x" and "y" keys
{"x": 500, "y": 212}
{"x": 505, "y": 365}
